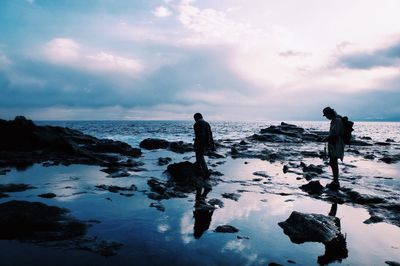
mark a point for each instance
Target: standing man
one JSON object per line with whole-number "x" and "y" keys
{"x": 203, "y": 142}
{"x": 335, "y": 144}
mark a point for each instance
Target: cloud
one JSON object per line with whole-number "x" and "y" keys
{"x": 383, "y": 57}
{"x": 68, "y": 52}
{"x": 162, "y": 12}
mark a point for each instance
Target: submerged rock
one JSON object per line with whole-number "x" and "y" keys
{"x": 116, "y": 189}
{"x": 389, "y": 159}
{"x": 301, "y": 227}
{"x": 164, "y": 160}
{"x": 232, "y": 196}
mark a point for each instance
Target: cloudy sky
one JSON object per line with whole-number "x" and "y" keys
{"x": 229, "y": 59}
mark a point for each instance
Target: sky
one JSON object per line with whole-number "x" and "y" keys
{"x": 237, "y": 60}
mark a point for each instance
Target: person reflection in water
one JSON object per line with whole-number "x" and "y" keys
{"x": 202, "y": 212}
{"x": 336, "y": 249}
{"x": 203, "y": 142}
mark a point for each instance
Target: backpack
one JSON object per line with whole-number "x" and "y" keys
{"x": 347, "y": 128}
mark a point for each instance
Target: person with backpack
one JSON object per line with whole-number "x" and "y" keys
{"x": 335, "y": 144}
{"x": 203, "y": 142}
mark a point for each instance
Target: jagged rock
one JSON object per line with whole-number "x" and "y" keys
{"x": 389, "y": 140}
{"x": 312, "y": 168}
{"x": 313, "y": 187}
{"x": 261, "y": 173}
{"x": 153, "y": 144}
{"x": 226, "y": 229}
{"x": 301, "y": 227}
{"x": 23, "y": 144}
{"x": 47, "y": 195}
{"x": 37, "y": 221}
{"x": 392, "y": 263}
{"x": 158, "y": 206}
{"x": 359, "y": 143}
{"x": 373, "y": 219}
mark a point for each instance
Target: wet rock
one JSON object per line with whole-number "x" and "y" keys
{"x": 180, "y": 147}
{"x": 363, "y": 199}
{"x": 47, "y": 195}
{"x": 226, "y": 229}
{"x": 164, "y": 160}
{"x": 313, "y": 187}
{"x": 119, "y": 174}
{"x": 366, "y": 138}
{"x": 15, "y": 187}
{"x": 312, "y": 168}
{"x": 302, "y": 227}
{"x": 274, "y": 264}
{"x": 373, "y": 219}
{"x": 380, "y": 143}
{"x": 37, "y": 221}
{"x": 158, "y": 205}
{"x": 214, "y": 155}
{"x": 335, "y": 250}
{"x": 232, "y": 196}
{"x": 116, "y": 189}
{"x": 153, "y": 144}
{"x": 389, "y": 140}
{"x": 261, "y": 173}
{"x": 183, "y": 170}
{"x": 369, "y": 156}
{"x": 389, "y": 159}
{"x": 4, "y": 171}
{"x": 23, "y": 144}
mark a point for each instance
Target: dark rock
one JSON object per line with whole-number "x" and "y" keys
{"x": 380, "y": 143}
{"x": 23, "y": 144}
{"x": 180, "y": 147}
{"x": 261, "y": 173}
{"x": 312, "y": 168}
{"x": 359, "y": 143}
{"x": 285, "y": 169}
{"x": 37, "y": 221}
{"x": 301, "y": 227}
{"x": 183, "y": 170}
{"x": 366, "y": 138}
{"x": 153, "y": 144}
{"x": 369, "y": 156}
{"x": 214, "y": 155}
{"x": 389, "y": 159}
{"x": 3, "y": 195}
{"x": 232, "y": 196}
{"x": 274, "y": 264}
{"x": 374, "y": 219}
{"x": 119, "y": 174}
{"x": 4, "y": 171}
{"x": 47, "y": 195}
{"x": 15, "y": 187}
{"x": 157, "y": 186}
{"x": 313, "y": 187}
{"x": 389, "y": 140}
{"x": 116, "y": 189}
{"x": 226, "y": 229}
{"x": 363, "y": 199}
{"x": 164, "y": 160}
{"x": 335, "y": 250}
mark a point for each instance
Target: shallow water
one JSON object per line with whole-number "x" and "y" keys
{"x": 153, "y": 237}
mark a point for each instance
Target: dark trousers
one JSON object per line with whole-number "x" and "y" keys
{"x": 201, "y": 162}
{"x": 333, "y": 162}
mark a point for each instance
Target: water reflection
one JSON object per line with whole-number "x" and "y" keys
{"x": 336, "y": 249}
{"x": 202, "y": 212}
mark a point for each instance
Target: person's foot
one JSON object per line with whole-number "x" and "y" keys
{"x": 334, "y": 185}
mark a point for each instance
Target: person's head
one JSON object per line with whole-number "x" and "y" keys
{"x": 197, "y": 116}
{"x": 329, "y": 113}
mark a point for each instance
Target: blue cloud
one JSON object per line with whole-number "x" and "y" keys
{"x": 388, "y": 56}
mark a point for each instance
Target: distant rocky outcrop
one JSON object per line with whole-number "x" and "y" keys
{"x": 23, "y": 143}
{"x": 175, "y": 146}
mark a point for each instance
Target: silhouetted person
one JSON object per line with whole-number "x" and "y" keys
{"x": 203, "y": 142}
{"x": 336, "y": 249}
{"x": 202, "y": 212}
{"x": 335, "y": 144}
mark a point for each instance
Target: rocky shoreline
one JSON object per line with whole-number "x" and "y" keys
{"x": 24, "y": 144}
